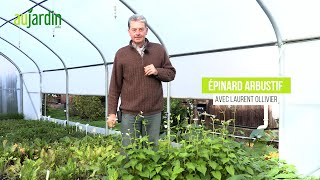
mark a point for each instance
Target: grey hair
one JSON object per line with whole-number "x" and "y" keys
{"x": 137, "y": 17}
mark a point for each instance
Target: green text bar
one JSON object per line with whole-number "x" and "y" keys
{"x": 246, "y": 85}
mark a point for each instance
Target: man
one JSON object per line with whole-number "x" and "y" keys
{"x": 138, "y": 70}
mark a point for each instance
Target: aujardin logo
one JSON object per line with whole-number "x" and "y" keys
{"x": 30, "y": 19}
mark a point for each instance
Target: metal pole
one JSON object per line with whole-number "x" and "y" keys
{"x": 106, "y": 98}
{"x": 168, "y": 110}
{"x": 281, "y": 66}
{"x": 67, "y": 96}
{"x": 41, "y": 96}
{"x": 21, "y": 92}
{"x": 45, "y": 104}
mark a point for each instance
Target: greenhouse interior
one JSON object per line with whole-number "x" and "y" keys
{"x": 73, "y": 55}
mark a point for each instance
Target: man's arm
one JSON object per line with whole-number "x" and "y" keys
{"x": 167, "y": 72}
{"x": 114, "y": 89}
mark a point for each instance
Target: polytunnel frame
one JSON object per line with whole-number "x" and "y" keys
{"x": 105, "y": 63}
{"x": 158, "y": 37}
{"x": 39, "y": 71}
{"x": 279, "y": 43}
{"x": 66, "y": 70}
{"x": 21, "y": 77}
{"x": 279, "y": 40}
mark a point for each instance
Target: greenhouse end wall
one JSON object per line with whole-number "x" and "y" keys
{"x": 9, "y": 89}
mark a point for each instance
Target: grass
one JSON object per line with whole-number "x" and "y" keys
{"x": 60, "y": 114}
{"x": 56, "y": 113}
{"x": 11, "y": 116}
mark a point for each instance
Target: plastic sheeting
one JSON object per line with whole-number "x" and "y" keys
{"x": 9, "y": 88}
{"x": 299, "y": 120}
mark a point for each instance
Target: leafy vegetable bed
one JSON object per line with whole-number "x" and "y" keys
{"x": 40, "y": 150}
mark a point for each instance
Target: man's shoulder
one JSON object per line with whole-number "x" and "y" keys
{"x": 124, "y": 49}
{"x": 155, "y": 45}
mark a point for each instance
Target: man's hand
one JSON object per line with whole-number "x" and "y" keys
{"x": 112, "y": 120}
{"x": 150, "y": 70}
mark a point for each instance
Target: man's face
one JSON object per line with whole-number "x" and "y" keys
{"x": 138, "y": 32}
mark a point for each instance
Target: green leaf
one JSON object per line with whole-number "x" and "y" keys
{"x": 128, "y": 176}
{"x": 139, "y": 167}
{"x": 273, "y": 172}
{"x": 232, "y": 155}
{"x": 205, "y": 154}
{"x": 183, "y": 155}
{"x": 30, "y": 10}
{"x": 156, "y": 157}
{"x": 250, "y": 171}
{"x": 230, "y": 170}
{"x": 109, "y": 148}
{"x": 177, "y": 170}
{"x": 240, "y": 177}
{"x": 142, "y": 156}
{"x": 157, "y": 177}
{"x": 216, "y": 147}
{"x": 224, "y": 160}
{"x": 152, "y": 173}
{"x": 165, "y": 173}
{"x": 216, "y": 174}
{"x": 202, "y": 169}
{"x": 285, "y": 176}
{"x": 241, "y": 167}
{"x": 131, "y": 163}
{"x": 189, "y": 177}
{"x": 158, "y": 169}
{"x": 144, "y": 174}
{"x": 191, "y": 166}
{"x": 149, "y": 152}
{"x": 113, "y": 174}
{"x": 213, "y": 164}
{"x": 173, "y": 176}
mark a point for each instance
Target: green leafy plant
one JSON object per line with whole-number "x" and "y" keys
{"x": 201, "y": 154}
{"x": 180, "y": 116}
{"x": 11, "y": 116}
{"x": 87, "y": 107}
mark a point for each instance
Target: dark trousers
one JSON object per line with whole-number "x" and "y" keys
{"x": 135, "y": 126}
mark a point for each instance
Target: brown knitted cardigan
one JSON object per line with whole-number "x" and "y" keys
{"x": 139, "y": 92}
